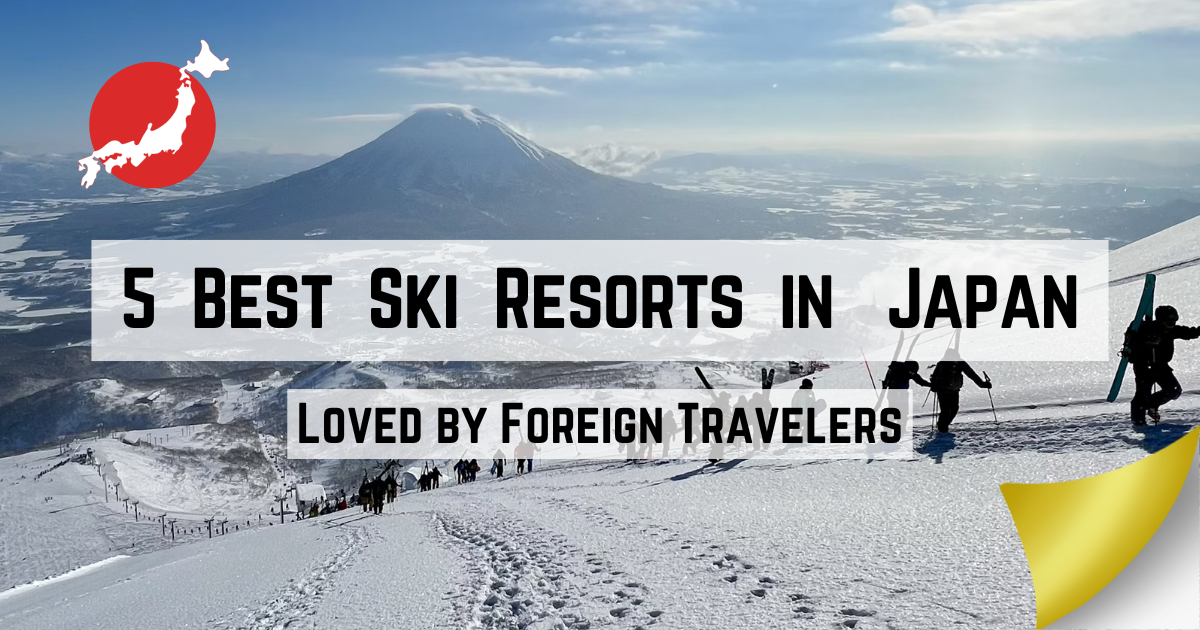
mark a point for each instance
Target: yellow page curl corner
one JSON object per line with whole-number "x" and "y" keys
{"x": 1079, "y": 535}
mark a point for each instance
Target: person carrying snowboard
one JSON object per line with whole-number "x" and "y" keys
{"x": 1150, "y": 350}
{"x": 946, "y": 381}
{"x": 805, "y": 397}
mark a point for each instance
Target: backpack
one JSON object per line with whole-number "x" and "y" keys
{"x": 1140, "y": 344}
{"x": 947, "y": 376}
{"x": 895, "y": 376}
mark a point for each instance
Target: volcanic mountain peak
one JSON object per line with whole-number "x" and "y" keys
{"x": 453, "y": 146}
{"x": 480, "y": 119}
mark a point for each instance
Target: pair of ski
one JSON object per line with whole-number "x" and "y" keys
{"x": 767, "y": 381}
{"x": 768, "y": 378}
{"x": 1145, "y": 311}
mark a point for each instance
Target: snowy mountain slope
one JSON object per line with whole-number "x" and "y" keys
{"x": 748, "y": 544}
{"x": 195, "y": 472}
{"x": 1168, "y": 250}
{"x": 1019, "y": 385}
{"x": 56, "y": 516}
{"x": 60, "y": 521}
{"x": 452, "y": 172}
{"x": 446, "y": 172}
{"x": 193, "y": 585}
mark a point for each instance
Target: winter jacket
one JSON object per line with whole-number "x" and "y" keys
{"x": 898, "y": 377}
{"x": 1154, "y": 344}
{"x": 948, "y": 376}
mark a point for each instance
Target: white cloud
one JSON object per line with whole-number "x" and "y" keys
{"x": 649, "y": 36}
{"x": 904, "y": 66}
{"x": 611, "y": 159}
{"x": 466, "y": 107}
{"x": 625, "y": 7}
{"x": 1015, "y": 26}
{"x": 364, "y": 117}
{"x": 913, "y": 14}
{"x": 501, "y": 74}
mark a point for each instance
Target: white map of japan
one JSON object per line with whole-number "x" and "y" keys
{"x": 169, "y": 136}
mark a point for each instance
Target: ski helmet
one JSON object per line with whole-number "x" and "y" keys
{"x": 1166, "y": 313}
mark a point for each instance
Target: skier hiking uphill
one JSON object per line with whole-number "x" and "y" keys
{"x": 364, "y": 493}
{"x": 899, "y": 375}
{"x": 946, "y": 381}
{"x": 1150, "y": 349}
{"x": 722, "y": 403}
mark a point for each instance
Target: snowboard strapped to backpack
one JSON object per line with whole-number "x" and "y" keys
{"x": 1144, "y": 309}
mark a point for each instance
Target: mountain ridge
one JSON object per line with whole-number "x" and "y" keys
{"x": 441, "y": 173}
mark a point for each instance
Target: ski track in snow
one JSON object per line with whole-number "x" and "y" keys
{"x": 665, "y": 544}
{"x": 523, "y": 579}
{"x": 730, "y": 570}
{"x": 301, "y": 599}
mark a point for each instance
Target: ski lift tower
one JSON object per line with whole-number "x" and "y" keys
{"x": 281, "y": 498}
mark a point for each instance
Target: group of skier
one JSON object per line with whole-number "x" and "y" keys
{"x": 522, "y": 453}
{"x": 466, "y": 470}
{"x": 430, "y": 479}
{"x": 373, "y": 493}
{"x": 1149, "y": 347}
{"x": 945, "y": 382}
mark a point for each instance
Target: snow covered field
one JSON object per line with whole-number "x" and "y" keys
{"x": 60, "y": 521}
{"x": 752, "y": 544}
{"x": 195, "y": 471}
{"x": 926, "y": 543}
{"x": 64, "y": 519}
{"x": 749, "y": 544}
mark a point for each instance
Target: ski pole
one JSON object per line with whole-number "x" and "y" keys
{"x": 990, "y": 401}
{"x": 869, "y": 375}
{"x": 702, "y": 379}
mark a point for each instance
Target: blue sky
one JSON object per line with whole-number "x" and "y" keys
{"x": 938, "y": 76}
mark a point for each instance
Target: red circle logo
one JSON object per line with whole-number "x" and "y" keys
{"x": 154, "y": 122}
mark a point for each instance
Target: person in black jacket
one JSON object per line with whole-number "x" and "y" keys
{"x": 946, "y": 381}
{"x": 364, "y": 493}
{"x": 1150, "y": 350}
{"x": 900, "y": 373}
{"x": 897, "y": 380}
